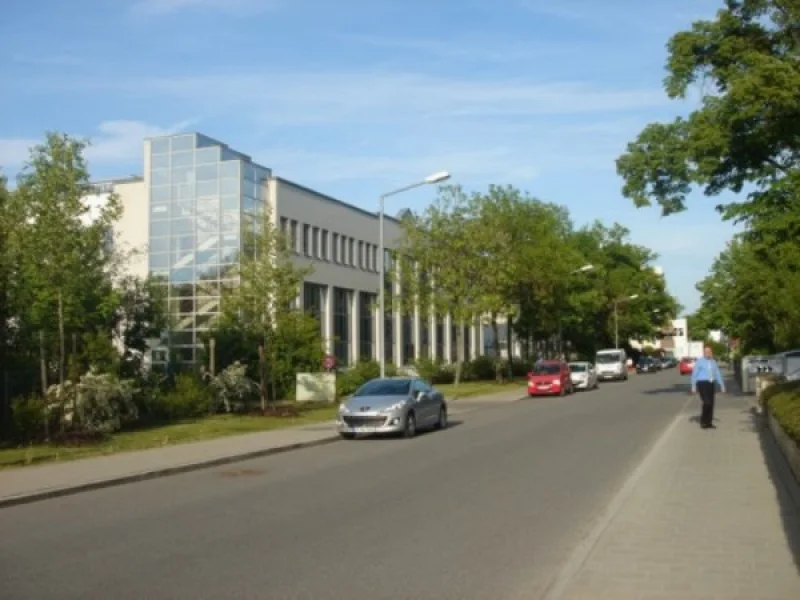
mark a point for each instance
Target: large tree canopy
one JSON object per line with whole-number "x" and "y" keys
{"x": 746, "y": 133}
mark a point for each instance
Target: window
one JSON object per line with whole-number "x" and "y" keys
{"x": 546, "y": 369}
{"x": 360, "y": 254}
{"x": 284, "y": 226}
{"x": 351, "y": 252}
{"x": 424, "y": 338}
{"x": 385, "y": 387}
{"x": 293, "y": 235}
{"x": 315, "y": 242}
{"x": 335, "y": 248}
{"x": 306, "y": 239}
{"x": 439, "y": 339}
{"x": 366, "y": 328}
{"x": 324, "y": 244}
{"x": 374, "y": 258}
{"x": 341, "y": 325}
{"x": 408, "y": 340}
{"x": 313, "y": 300}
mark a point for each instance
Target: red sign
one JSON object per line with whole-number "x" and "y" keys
{"x": 329, "y": 362}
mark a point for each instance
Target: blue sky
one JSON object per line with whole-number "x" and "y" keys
{"x": 356, "y": 97}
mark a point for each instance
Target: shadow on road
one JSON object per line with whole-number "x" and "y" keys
{"x": 676, "y": 388}
{"x": 787, "y": 490}
{"x": 451, "y": 424}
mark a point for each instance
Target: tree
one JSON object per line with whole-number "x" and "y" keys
{"x": 746, "y": 133}
{"x": 261, "y": 307}
{"x": 443, "y": 243}
{"x": 140, "y": 315}
{"x": 64, "y": 256}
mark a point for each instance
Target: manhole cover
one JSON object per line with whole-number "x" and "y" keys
{"x": 240, "y": 473}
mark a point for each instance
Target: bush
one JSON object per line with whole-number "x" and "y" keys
{"x": 483, "y": 368}
{"x": 188, "y": 398}
{"x": 98, "y": 403}
{"x": 28, "y": 418}
{"x": 349, "y": 380}
{"x": 783, "y": 401}
{"x": 233, "y": 390}
{"x": 435, "y": 372}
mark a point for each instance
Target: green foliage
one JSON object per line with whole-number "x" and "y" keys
{"x": 233, "y": 389}
{"x": 783, "y": 401}
{"x": 28, "y": 414}
{"x": 98, "y": 403}
{"x": 745, "y": 135}
{"x": 436, "y": 372}
{"x": 188, "y": 398}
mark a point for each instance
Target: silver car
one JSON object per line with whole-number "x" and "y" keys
{"x": 583, "y": 375}
{"x": 392, "y": 405}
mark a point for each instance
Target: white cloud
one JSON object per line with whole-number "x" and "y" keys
{"x": 163, "y": 7}
{"x": 114, "y": 142}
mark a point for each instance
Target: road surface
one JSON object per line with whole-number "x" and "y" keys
{"x": 489, "y": 508}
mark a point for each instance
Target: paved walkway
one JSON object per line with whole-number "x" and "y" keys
{"x": 56, "y": 479}
{"x": 706, "y": 516}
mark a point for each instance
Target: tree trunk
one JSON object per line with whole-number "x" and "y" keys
{"x": 510, "y": 342}
{"x": 262, "y": 377}
{"x": 43, "y": 367}
{"x": 212, "y": 356}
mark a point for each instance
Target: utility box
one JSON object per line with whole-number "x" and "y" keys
{"x": 315, "y": 387}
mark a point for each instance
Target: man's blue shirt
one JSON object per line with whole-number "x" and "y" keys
{"x": 706, "y": 369}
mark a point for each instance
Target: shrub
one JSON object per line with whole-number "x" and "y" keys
{"x": 98, "y": 403}
{"x": 783, "y": 401}
{"x": 232, "y": 389}
{"x": 435, "y": 372}
{"x": 483, "y": 368}
{"x": 188, "y": 398}
{"x": 28, "y": 418}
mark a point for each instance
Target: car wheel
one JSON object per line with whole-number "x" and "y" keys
{"x": 347, "y": 435}
{"x": 442, "y": 422}
{"x": 410, "y": 428}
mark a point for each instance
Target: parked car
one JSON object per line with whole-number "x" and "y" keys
{"x": 550, "y": 377}
{"x": 669, "y": 362}
{"x": 392, "y": 405}
{"x": 583, "y": 375}
{"x": 612, "y": 364}
{"x": 646, "y": 365}
{"x": 686, "y": 365}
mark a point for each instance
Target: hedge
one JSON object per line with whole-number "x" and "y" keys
{"x": 783, "y": 402}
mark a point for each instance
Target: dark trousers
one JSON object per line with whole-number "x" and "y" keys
{"x": 706, "y": 391}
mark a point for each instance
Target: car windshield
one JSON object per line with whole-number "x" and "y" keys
{"x": 384, "y": 387}
{"x": 644, "y": 361}
{"x": 577, "y": 368}
{"x": 605, "y": 359}
{"x": 546, "y": 369}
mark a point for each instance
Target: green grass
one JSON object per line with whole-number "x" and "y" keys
{"x": 783, "y": 400}
{"x": 160, "y": 436}
{"x": 478, "y": 388}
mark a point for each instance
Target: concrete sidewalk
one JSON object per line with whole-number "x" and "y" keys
{"x": 709, "y": 514}
{"x": 28, "y": 484}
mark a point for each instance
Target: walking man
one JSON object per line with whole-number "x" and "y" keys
{"x": 704, "y": 374}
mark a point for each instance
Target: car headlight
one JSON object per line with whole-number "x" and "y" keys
{"x": 343, "y": 408}
{"x": 395, "y": 406}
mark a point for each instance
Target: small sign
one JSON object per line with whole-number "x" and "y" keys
{"x": 329, "y": 362}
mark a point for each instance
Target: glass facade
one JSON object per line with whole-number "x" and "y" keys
{"x": 200, "y": 195}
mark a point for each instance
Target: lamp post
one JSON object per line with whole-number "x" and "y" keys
{"x": 429, "y": 180}
{"x": 616, "y": 317}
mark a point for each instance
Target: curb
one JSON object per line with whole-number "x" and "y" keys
{"x": 157, "y": 473}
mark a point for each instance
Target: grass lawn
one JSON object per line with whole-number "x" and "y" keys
{"x": 162, "y": 435}
{"x": 479, "y": 388}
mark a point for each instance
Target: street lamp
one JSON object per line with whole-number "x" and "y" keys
{"x": 429, "y": 180}
{"x": 616, "y": 317}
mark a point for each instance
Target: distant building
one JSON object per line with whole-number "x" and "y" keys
{"x": 187, "y": 212}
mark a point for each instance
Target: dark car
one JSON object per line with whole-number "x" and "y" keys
{"x": 646, "y": 365}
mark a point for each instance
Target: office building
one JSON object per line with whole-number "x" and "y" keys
{"x": 189, "y": 208}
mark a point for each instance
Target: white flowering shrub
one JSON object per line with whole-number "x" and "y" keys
{"x": 98, "y": 403}
{"x": 232, "y": 388}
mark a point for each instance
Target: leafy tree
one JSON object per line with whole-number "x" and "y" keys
{"x": 444, "y": 243}
{"x": 261, "y": 307}
{"x": 140, "y": 315}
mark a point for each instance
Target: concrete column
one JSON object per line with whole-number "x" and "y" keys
{"x": 448, "y": 339}
{"x": 327, "y": 318}
{"x": 416, "y": 330}
{"x": 355, "y": 327}
{"x": 432, "y": 341}
{"x": 475, "y": 340}
{"x": 376, "y": 325}
{"x": 481, "y": 337}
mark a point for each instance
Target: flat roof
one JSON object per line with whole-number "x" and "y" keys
{"x": 335, "y": 200}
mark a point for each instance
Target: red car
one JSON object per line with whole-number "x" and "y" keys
{"x": 686, "y": 365}
{"x": 549, "y": 378}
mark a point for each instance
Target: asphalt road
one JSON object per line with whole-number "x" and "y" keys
{"x": 489, "y": 508}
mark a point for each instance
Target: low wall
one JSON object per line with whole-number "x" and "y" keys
{"x": 315, "y": 387}
{"x": 787, "y": 445}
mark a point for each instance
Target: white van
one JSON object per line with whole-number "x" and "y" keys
{"x": 612, "y": 364}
